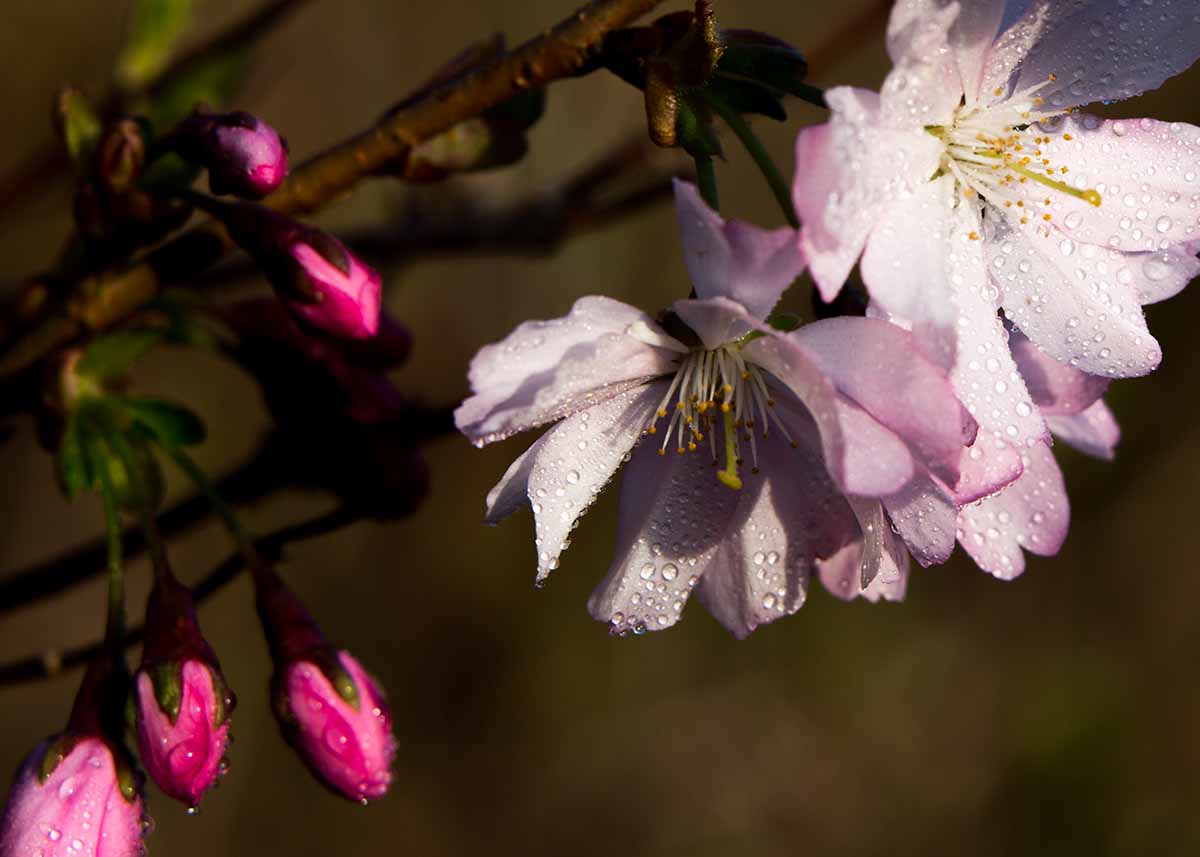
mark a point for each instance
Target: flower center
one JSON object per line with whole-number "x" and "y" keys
{"x": 714, "y": 391}
{"x": 995, "y": 153}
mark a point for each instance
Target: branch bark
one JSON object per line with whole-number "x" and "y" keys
{"x": 560, "y": 52}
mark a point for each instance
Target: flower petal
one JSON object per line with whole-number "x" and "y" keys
{"x": 985, "y": 376}
{"x": 924, "y": 87}
{"x": 1162, "y": 274}
{"x": 1146, "y": 172}
{"x": 717, "y": 321}
{"x": 579, "y": 457}
{"x": 1102, "y": 51}
{"x": 924, "y": 517}
{"x": 987, "y": 466}
{"x": 787, "y": 517}
{"x": 1031, "y": 513}
{"x": 673, "y": 515}
{"x": 876, "y": 461}
{"x": 735, "y": 260}
{"x": 1093, "y": 431}
{"x": 846, "y": 171}
{"x": 1072, "y": 306}
{"x": 1056, "y": 387}
{"x": 878, "y": 366}
{"x": 874, "y": 566}
{"x": 511, "y": 492}
{"x": 544, "y": 370}
{"x": 911, "y": 260}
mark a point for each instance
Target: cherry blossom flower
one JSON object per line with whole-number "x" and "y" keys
{"x": 970, "y": 185}
{"x": 754, "y": 455}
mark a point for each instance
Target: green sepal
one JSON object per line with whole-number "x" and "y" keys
{"x": 693, "y": 134}
{"x": 746, "y": 97}
{"x": 168, "y": 688}
{"x": 154, "y": 28}
{"x": 784, "y": 321}
{"x": 168, "y": 173}
{"x": 78, "y": 125}
{"x": 774, "y": 66}
{"x": 125, "y": 456}
{"x": 342, "y": 683}
{"x": 74, "y": 465}
{"x": 55, "y": 752}
{"x": 168, "y": 423}
{"x": 112, "y": 355}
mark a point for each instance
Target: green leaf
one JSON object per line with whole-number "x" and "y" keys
{"x": 168, "y": 423}
{"x": 78, "y": 125}
{"x": 154, "y": 28}
{"x": 113, "y": 355}
{"x": 213, "y": 80}
{"x": 125, "y": 455}
{"x": 74, "y": 466}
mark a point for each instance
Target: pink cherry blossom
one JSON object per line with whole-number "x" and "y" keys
{"x": 79, "y": 810}
{"x": 754, "y": 455}
{"x": 183, "y": 756}
{"x": 968, "y": 186}
{"x": 349, "y": 747}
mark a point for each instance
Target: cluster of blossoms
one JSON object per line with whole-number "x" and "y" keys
{"x": 1007, "y": 242}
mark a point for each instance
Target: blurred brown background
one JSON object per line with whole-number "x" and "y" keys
{"x": 1055, "y": 715}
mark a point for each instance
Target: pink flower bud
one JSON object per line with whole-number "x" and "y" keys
{"x": 73, "y": 806}
{"x": 182, "y": 745}
{"x": 244, "y": 155}
{"x": 348, "y": 291}
{"x": 347, "y": 744}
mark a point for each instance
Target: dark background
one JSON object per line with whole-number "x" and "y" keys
{"x": 1054, "y": 715}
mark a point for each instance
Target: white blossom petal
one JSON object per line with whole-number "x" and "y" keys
{"x": 1056, "y": 387}
{"x": 1073, "y": 307}
{"x": 924, "y": 87}
{"x": 1031, "y": 513}
{"x": 874, "y": 566}
{"x": 577, "y": 459}
{"x": 787, "y": 516}
{"x": 847, "y": 170}
{"x": 673, "y": 516}
{"x": 1146, "y": 172}
{"x": 924, "y": 517}
{"x": 545, "y": 370}
{"x": 1162, "y": 274}
{"x": 1093, "y": 431}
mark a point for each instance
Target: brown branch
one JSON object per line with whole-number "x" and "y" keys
{"x": 53, "y": 662}
{"x": 560, "y": 52}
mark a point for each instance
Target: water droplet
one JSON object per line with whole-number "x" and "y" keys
{"x": 572, "y": 477}
{"x": 647, "y": 571}
{"x": 1163, "y": 224}
{"x": 670, "y": 571}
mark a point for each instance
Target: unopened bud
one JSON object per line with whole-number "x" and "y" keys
{"x": 120, "y": 156}
{"x": 244, "y": 156}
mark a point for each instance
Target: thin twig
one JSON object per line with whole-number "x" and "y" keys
{"x": 54, "y": 661}
{"x": 557, "y": 53}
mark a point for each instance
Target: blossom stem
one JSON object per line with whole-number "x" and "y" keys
{"x": 241, "y": 536}
{"x": 775, "y": 180}
{"x": 114, "y": 628}
{"x": 706, "y": 177}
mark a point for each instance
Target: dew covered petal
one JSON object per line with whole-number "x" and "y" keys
{"x": 873, "y": 566}
{"x": 1056, "y": 388}
{"x": 1031, "y": 514}
{"x": 577, "y": 460}
{"x": 545, "y": 370}
{"x": 924, "y": 514}
{"x": 1093, "y": 431}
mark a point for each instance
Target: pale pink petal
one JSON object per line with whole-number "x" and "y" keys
{"x": 874, "y": 566}
{"x": 923, "y": 87}
{"x": 972, "y": 36}
{"x": 511, "y": 492}
{"x": 985, "y": 375}
{"x": 876, "y": 462}
{"x": 545, "y": 370}
{"x": 847, "y": 170}
{"x": 673, "y": 515}
{"x": 1056, "y": 388}
{"x": 924, "y": 517}
{"x": 577, "y": 460}
{"x": 1031, "y": 513}
{"x": 717, "y": 321}
{"x": 911, "y": 260}
{"x": 1073, "y": 306}
{"x": 1162, "y": 274}
{"x": 1103, "y": 50}
{"x": 735, "y": 260}
{"x": 787, "y": 516}
{"x": 986, "y": 466}
{"x": 1093, "y": 431}
{"x": 969, "y": 39}
{"x": 880, "y": 368}
{"x": 1146, "y": 172}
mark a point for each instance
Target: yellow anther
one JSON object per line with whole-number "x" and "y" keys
{"x": 1068, "y": 137}
{"x": 662, "y": 452}
{"x": 998, "y": 91}
{"x": 1046, "y": 217}
{"x": 1052, "y": 77}
{"x": 662, "y": 412}
{"x": 681, "y": 450}
{"x": 724, "y": 407}
{"x": 679, "y": 406}
{"x": 973, "y": 235}
{"x": 652, "y": 430}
